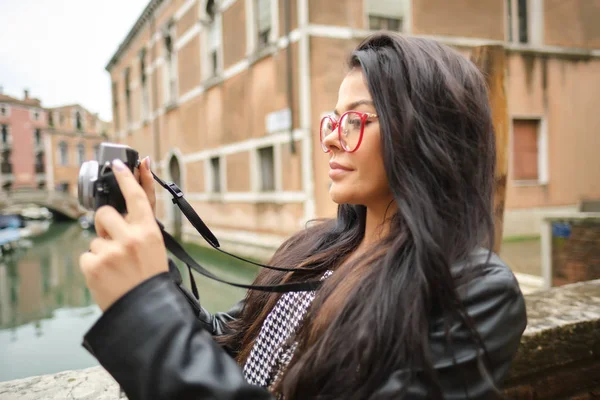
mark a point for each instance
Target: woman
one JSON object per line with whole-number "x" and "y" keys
{"x": 412, "y": 305}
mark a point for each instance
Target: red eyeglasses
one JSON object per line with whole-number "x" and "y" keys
{"x": 351, "y": 127}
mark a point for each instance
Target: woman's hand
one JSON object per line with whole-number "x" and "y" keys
{"x": 147, "y": 182}
{"x": 129, "y": 249}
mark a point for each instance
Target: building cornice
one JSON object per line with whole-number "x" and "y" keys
{"x": 58, "y": 132}
{"x": 137, "y": 27}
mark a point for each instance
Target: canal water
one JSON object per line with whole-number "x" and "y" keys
{"x": 45, "y": 307}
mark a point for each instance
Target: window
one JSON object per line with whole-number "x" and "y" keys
{"x": 61, "y": 118}
{"x": 383, "y": 23}
{"x": 35, "y": 114}
{"x": 80, "y": 153}
{"x": 4, "y": 110}
{"x": 214, "y": 44}
{"x": 386, "y": 14}
{"x": 170, "y": 65}
{"x": 39, "y": 163}
{"x": 5, "y": 135}
{"x": 78, "y": 121}
{"x": 50, "y": 119}
{"x": 215, "y": 173}
{"x": 145, "y": 98}
{"x": 96, "y": 152}
{"x": 115, "y": 96}
{"x": 263, "y": 22}
{"x": 37, "y": 135}
{"x": 128, "y": 94}
{"x": 6, "y": 138}
{"x": 6, "y": 157}
{"x": 63, "y": 187}
{"x": 63, "y": 155}
{"x": 267, "y": 169}
{"x": 529, "y": 151}
{"x": 517, "y": 21}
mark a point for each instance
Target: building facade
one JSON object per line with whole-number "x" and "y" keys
{"x": 43, "y": 147}
{"x": 226, "y": 97}
{"x": 22, "y": 122}
{"x": 73, "y": 136}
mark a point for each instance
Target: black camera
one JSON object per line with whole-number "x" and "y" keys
{"x": 97, "y": 185}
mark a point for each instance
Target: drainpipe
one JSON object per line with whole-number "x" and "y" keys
{"x": 290, "y": 83}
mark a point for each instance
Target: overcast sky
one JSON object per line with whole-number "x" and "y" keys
{"x": 58, "y": 49}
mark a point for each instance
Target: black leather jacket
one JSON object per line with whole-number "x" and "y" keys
{"x": 157, "y": 347}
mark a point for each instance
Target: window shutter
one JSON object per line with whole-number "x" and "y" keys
{"x": 525, "y": 150}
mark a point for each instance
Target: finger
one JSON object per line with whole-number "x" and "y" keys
{"x": 99, "y": 245}
{"x": 87, "y": 264}
{"x": 147, "y": 181}
{"x": 109, "y": 223}
{"x": 138, "y": 205}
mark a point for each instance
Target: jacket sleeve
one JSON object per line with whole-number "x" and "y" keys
{"x": 151, "y": 343}
{"x": 497, "y": 308}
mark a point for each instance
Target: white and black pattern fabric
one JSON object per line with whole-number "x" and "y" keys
{"x": 275, "y": 345}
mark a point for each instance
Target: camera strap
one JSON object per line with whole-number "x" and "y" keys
{"x": 178, "y": 251}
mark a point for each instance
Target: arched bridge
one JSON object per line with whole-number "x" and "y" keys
{"x": 60, "y": 203}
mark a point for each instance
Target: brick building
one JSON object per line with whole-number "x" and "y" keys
{"x": 21, "y": 122}
{"x": 74, "y": 134}
{"x": 43, "y": 147}
{"x": 227, "y": 96}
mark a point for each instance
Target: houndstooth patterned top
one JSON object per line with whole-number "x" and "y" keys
{"x": 275, "y": 345}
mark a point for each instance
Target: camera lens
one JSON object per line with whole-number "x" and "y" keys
{"x": 88, "y": 173}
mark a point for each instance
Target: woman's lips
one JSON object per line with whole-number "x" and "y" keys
{"x": 337, "y": 170}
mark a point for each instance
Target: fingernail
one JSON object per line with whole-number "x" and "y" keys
{"x": 148, "y": 162}
{"x": 118, "y": 165}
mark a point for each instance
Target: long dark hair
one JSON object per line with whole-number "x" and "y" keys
{"x": 371, "y": 317}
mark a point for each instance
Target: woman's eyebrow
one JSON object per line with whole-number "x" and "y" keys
{"x": 354, "y": 105}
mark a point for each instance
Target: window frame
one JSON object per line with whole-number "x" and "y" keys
{"x": 144, "y": 90}
{"x": 512, "y": 22}
{"x": 261, "y": 179}
{"x": 209, "y": 68}
{"x": 542, "y": 147}
{"x": 63, "y": 161}
{"x": 7, "y": 110}
{"x": 252, "y": 34}
{"x": 210, "y": 182}
{"x": 80, "y": 153}
{"x": 404, "y": 21}
{"x": 170, "y": 66}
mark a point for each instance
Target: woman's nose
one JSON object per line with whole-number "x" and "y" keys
{"x": 331, "y": 141}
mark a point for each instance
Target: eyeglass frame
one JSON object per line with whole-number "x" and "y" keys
{"x": 336, "y": 125}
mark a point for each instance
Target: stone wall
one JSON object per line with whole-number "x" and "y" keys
{"x": 559, "y": 357}
{"x": 575, "y": 250}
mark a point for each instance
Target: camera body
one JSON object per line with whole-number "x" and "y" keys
{"x": 97, "y": 185}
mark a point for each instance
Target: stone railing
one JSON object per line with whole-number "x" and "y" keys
{"x": 559, "y": 356}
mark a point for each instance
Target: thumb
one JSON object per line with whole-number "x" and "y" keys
{"x": 147, "y": 181}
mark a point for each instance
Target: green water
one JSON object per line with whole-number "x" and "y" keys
{"x": 45, "y": 307}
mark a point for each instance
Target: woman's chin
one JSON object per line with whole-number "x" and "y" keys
{"x": 339, "y": 195}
